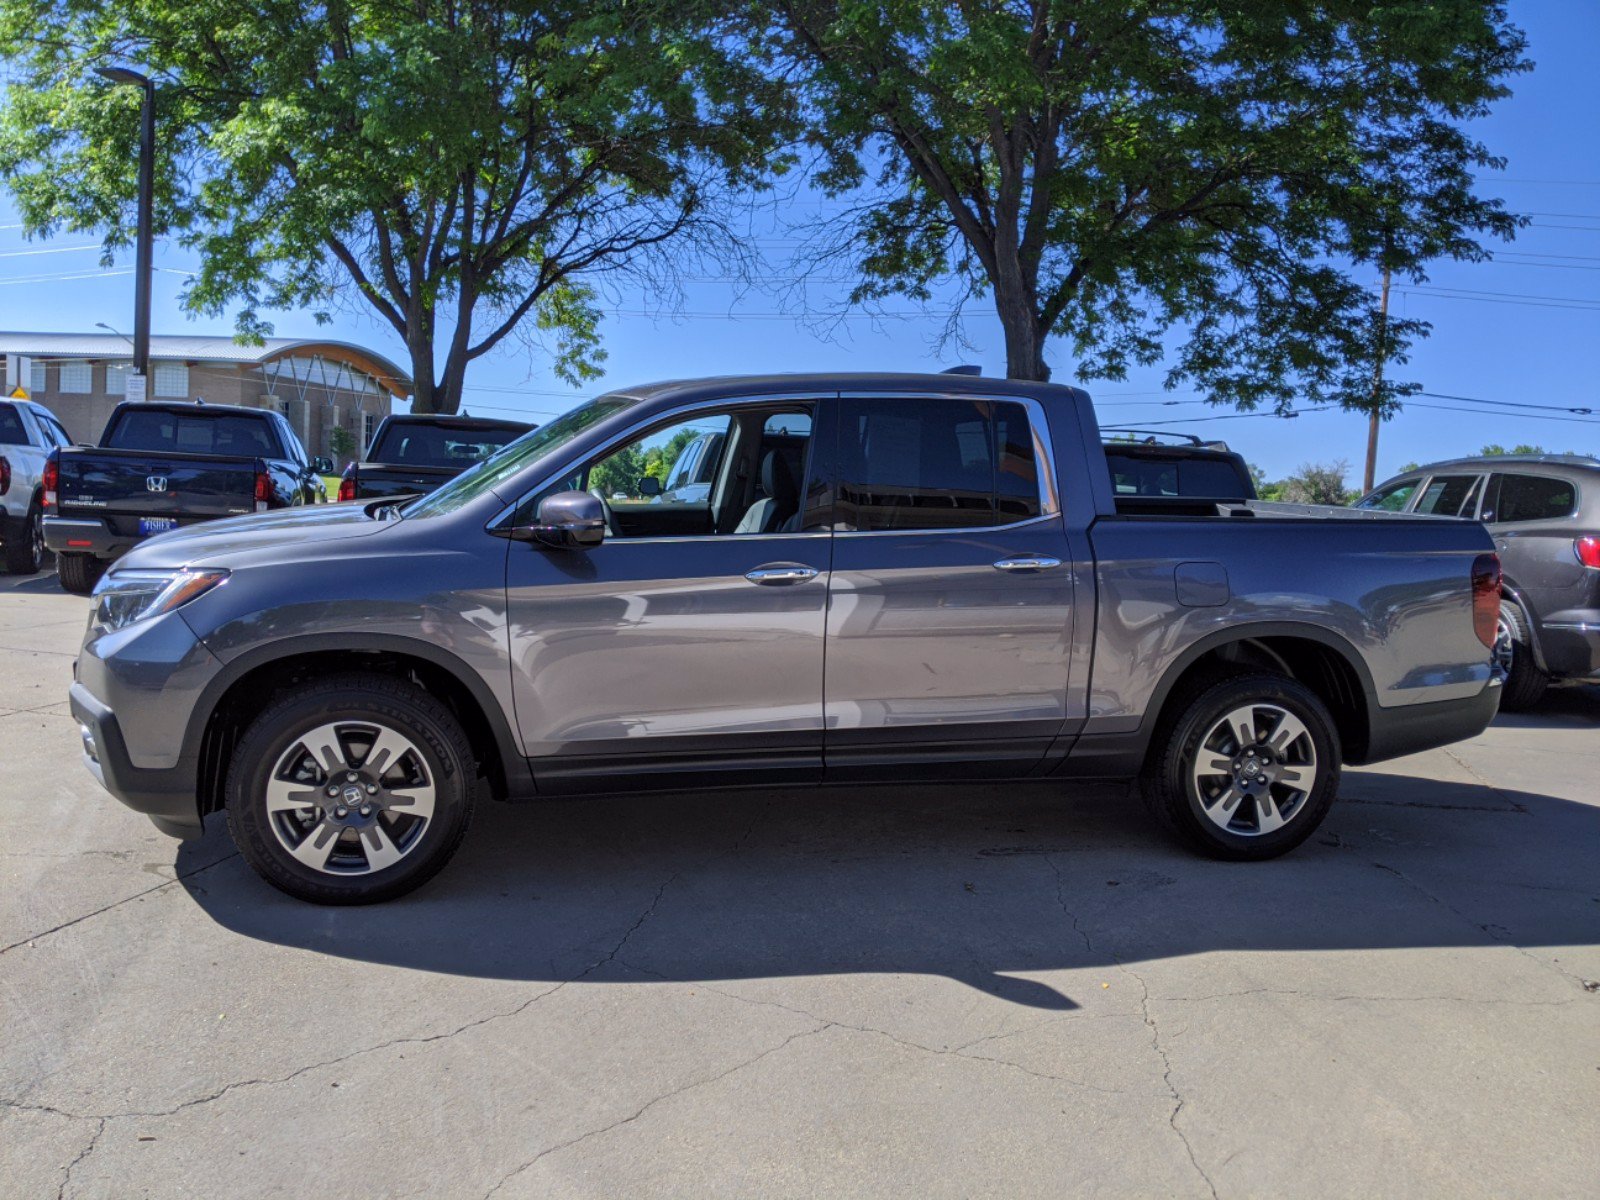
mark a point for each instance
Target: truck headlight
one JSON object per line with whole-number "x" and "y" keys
{"x": 123, "y": 597}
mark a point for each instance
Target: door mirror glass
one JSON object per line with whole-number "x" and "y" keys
{"x": 649, "y": 485}
{"x": 569, "y": 521}
{"x": 322, "y": 465}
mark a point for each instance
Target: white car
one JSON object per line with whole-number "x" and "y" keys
{"x": 28, "y": 433}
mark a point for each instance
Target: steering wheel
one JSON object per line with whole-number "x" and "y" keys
{"x": 611, "y": 517}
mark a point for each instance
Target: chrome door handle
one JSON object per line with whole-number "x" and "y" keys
{"x": 1029, "y": 562}
{"x": 785, "y": 574}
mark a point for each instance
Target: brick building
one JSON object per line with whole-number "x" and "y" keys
{"x": 318, "y": 385}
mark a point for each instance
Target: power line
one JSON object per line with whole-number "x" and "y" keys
{"x": 1483, "y": 413}
{"x": 1562, "y": 408}
{"x": 49, "y": 250}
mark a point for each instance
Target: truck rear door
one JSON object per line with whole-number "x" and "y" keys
{"x": 950, "y": 614}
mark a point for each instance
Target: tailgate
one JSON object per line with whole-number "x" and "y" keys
{"x": 126, "y": 487}
{"x": 375, "y": 480}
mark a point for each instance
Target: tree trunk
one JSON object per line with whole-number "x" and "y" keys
{"x": 424, "y": 394}
{"x": 1024, "y": 338}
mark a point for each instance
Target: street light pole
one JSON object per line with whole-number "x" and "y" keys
{"x": 147, "y": 161}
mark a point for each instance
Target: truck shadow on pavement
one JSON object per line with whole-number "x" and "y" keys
{"x": 986, "y": 885}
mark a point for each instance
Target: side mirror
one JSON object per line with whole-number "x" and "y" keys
{"x": 568, "y": 521}
{"x": 649, "y": 485}
{"x": 322, "y": 465}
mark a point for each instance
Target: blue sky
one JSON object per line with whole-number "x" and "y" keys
{"x": 1523, "y": 328}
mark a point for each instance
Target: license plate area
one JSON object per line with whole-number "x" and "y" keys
{"x": 150, "y": 525}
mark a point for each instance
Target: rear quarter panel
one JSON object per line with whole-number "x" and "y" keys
{"x": 1396, "y": 592}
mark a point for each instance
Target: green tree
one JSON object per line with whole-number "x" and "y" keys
{"x": 619, "y": 473}
{"x": 1318, "y": 483}
{"x": 1495, "y": 450}
{"x": 461, "y": 169}
{"x": 341, "y": 443}
{"x": 1222, "y": 175}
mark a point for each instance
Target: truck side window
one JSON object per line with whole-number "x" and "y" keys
{"x": 917, "y": 462}
{"x": 1514, "y": 498}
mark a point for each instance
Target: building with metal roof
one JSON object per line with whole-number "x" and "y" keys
{"x": 319, "y": 384}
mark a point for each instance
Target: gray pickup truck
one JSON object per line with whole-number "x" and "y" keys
{"x": 940, "y": 585}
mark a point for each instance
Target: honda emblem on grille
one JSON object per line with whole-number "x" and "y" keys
{"x": 155, "y": 483}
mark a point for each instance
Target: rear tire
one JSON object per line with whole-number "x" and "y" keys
{"x": 374, "y": 742}
{"x": 79, "y": 572}
{"x": 1525, "y": 682}
{"x": 25, "y": 552}
{"x": 1245, "y": 767}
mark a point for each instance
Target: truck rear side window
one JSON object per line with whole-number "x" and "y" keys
{"x": 440, "y": 446}
{"x": 924, "y": 463}
{"x": 194, "y": 433}
{"x": 1207, "y": 477}
{"x": 1514, "y": 498}
{"x": 11, "y": 431}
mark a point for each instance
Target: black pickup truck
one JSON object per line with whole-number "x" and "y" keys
{"x": 163, "y": 466}
{"x": 412, "y": 454}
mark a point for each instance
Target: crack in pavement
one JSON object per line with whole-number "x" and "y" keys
{"x": 1483, "y": 780}
{"x": 176, "y": 879}
{"x": 873, "y": 1030}
{"x": 651, "y": 1103}
{"x": 415, "y": 1040}
{"x": 1178, "y": 1100}
{"x": 1325, "y": 998}
{"x": 1487, "y": 930}
{"x": 66, "y": 1176}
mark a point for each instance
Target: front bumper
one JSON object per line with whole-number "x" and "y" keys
{"x": 164, "y": 794}
{"x": 75, "y": 535}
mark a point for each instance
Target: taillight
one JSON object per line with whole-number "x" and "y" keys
{"x": 347, "y": 487}
{"x": 5, "y": 474}
{"x": 1588, "y": 548}
{"x": 263, "y": 490}
{"x": 1485, "y": 597}
{"x": 49, "y": 479}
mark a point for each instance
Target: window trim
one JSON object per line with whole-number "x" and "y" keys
{"x": 1475, "y": 492}
{"x": 1038, "y": 422}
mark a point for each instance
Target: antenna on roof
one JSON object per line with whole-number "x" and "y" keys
{"x": 963, "y": 369}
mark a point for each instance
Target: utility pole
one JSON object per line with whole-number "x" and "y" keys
{"x": 142, "y": 265}
{"x": 1377, "y": 385}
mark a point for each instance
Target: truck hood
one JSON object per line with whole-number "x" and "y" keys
{"x": 217, "y": 543}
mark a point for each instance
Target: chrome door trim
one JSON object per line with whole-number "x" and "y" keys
{"x": 947, "y": 532}
{"x": 781, "y": 574}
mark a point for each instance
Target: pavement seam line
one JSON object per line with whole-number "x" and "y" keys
{"x": 400, "y": 1041}
{"x": 176, "y": 879}
{"x": 1178, "y": 1100}
{"x": 651, "y": 1103}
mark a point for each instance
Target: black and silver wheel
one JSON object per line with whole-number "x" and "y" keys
{"x": 1513, "y": 652}
{"x": 25, "y": 552}
{"x": 356, "y": 790}
{"x": 1248, "y": 767}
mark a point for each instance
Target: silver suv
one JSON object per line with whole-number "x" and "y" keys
{"x": 29, "y": 432}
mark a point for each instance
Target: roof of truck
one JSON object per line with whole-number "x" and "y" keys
{"x": 802, "y": 383}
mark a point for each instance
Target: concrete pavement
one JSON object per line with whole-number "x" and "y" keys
{"x": 965, "y": 991}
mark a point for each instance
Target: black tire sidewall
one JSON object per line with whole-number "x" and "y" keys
{"x": 79, "y": 573}
{"x": 1174, "y": 784}
{"x": 1525, "y": 682}
{"x": 430, "y": 727}
{"x": 19, "y": 551}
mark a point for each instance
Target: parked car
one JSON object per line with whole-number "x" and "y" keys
{"x": 1184, "y": 465}
{"x": 411, "y": 455}
{"x": 947, "y": 587}
{"x": 1544, "y": 514}
{"x": 28, "y": 433}
{"x": 164, "y": 466}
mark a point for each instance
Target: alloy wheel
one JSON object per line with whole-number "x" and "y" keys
{"x": 1255, "y": 769}
{"x": 350, "y": 798}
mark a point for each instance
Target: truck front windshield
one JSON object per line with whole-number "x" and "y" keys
{"x": 489, "y": 474}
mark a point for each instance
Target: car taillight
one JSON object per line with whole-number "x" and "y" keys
{"x": 347, "y": 487}
{"x": 263, "y": 490}
{"x": 5, "y": 474}
{"x": 50, "y": 477}
{"x": 1485, "y": 597}
{"x": 1588, "y": 548}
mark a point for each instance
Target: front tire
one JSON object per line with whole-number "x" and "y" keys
{"x": 1246, "y": 768}
{"x": 1525, "y": 682}
{"x": 25, "y": 552}
{"x": 79, "y": 572}
{"x": 352, "y": 790}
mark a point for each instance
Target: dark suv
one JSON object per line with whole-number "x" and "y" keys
{"x": 1544, "y": 513}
